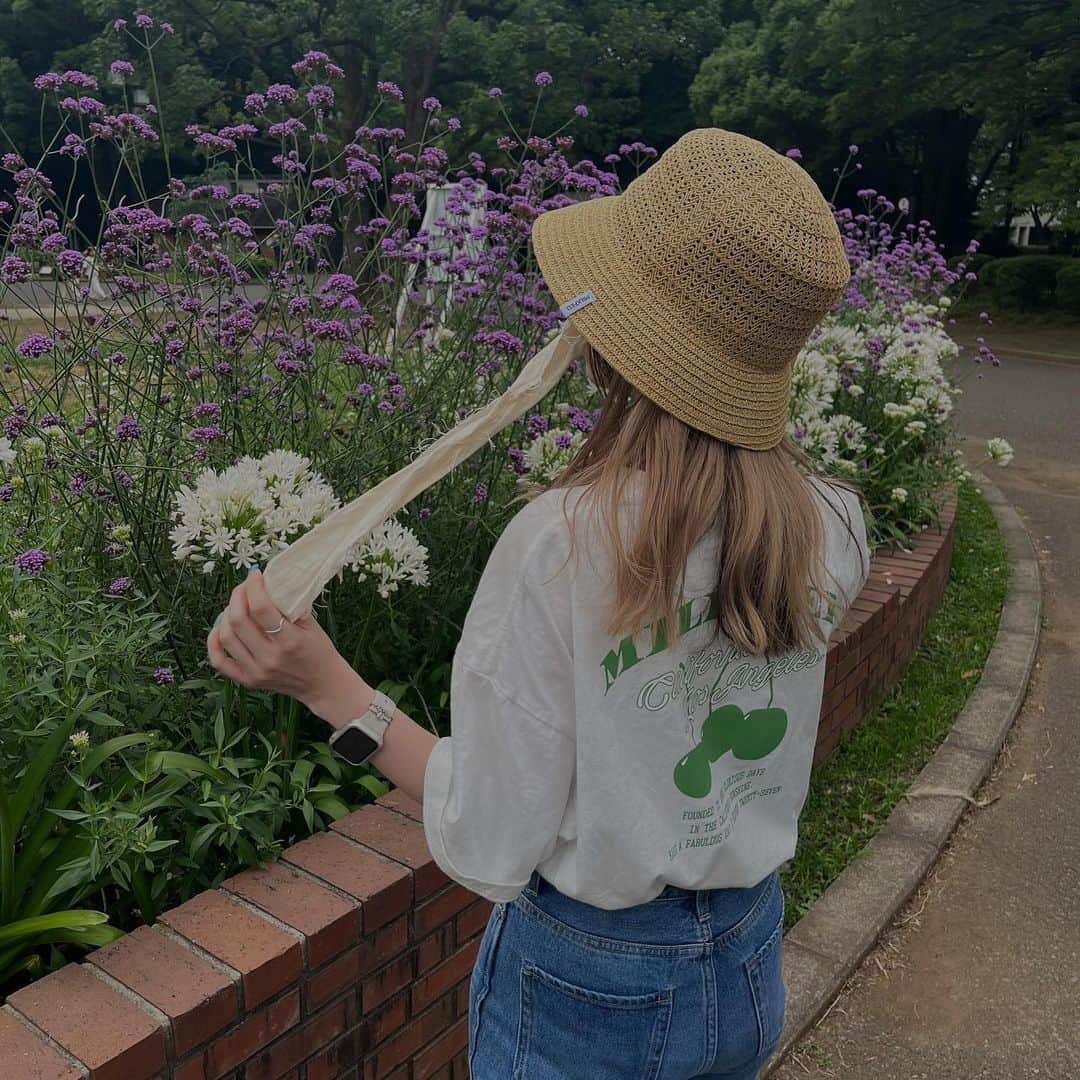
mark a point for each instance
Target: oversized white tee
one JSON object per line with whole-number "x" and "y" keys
{"x": 616, "y": 767}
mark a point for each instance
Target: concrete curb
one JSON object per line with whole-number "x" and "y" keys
{"x": 829, "y": 942}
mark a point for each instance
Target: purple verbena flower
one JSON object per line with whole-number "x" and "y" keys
{"x": 35, "y": 346}
{"x": 128, "y": 429}
{"x": 32, "y": 561}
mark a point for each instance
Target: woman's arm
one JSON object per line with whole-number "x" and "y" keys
{"x": 301, "y": 661}
{"x": 403, "y": 757}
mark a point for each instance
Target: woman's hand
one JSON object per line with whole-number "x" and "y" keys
{"x": 299, "y": 660}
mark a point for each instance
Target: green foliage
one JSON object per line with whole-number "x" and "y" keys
{"x": 1024, "y": 282}
{"x": 975, "y": 262}
{"x": 959, "y": 106}
{"x": 1067, "y": 289}
{"x": 115, "y": 793}
{"x": 952, "y": 104}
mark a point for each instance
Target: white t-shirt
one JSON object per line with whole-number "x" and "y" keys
{"x": 601, "y": 762}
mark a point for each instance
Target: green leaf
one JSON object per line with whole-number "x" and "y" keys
{"x": 111, "y": 746}
{"x": 175, "y": 759}
{"x": 202, "y": 838}
{"x": 69, "y": 815}
{"x": 40, "y": 765}
{"x": 73, "y": 919}
{"x": 7, "y": 859}
{"x": 332, "y": 807}
{"x": 375, "y": 786}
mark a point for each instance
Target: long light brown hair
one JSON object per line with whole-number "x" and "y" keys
{"x": 770, "y": 579}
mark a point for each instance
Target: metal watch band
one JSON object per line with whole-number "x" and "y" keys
{"x": 380, "y": 713}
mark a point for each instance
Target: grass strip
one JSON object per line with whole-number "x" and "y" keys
{"x": 854, "y": 789}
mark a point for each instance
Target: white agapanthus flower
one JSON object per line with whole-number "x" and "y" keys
{"x": 390, "y": 554}
{"x": 898, "y": 495}
{"x": 7, "y": 451}
{"x": 915, "y": 427}
{"x": 1001, "y": 453}
{"x": 249, "y": 511}
{"x": 253, "y": 509}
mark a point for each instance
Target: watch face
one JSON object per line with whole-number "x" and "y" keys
{"x": 353, "y": 745}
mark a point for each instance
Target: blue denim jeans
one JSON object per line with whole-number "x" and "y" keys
{"x": 685, "y": 986}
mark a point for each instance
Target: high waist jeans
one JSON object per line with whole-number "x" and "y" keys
{"x": 685, "y": 986}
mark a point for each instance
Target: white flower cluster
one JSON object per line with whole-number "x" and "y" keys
{"x": 7, "y": 451}
{"x": 897, "y": 362}
{"x": 548, "y": 454}
{"x": 838, "y": 441}
{"x": 251, "y": 510}
{"x": 390, "y": 554}
{"x": 1001, "y": 453}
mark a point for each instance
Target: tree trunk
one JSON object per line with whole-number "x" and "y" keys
{"x": 945, "y": 192}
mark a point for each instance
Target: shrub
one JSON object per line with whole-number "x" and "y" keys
{"x": 1024, "y": 282}
{"x": 1067, "y": 288}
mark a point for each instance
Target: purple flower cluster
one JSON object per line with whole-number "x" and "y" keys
{"x": 127, "y": 429}
{"x": 35, "y": 346}
{"x": 33, "y": 561}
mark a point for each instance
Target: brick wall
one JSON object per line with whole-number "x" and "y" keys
{"x": 882, "y": 630}
{"x": 350, "y": 956}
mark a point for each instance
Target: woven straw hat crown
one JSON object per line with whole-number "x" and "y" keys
{"x": 702, "y": 280}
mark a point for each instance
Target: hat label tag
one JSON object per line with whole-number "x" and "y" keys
{"x": 577, "y": 303}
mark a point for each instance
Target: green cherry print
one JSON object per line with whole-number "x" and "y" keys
{"x": 720, "y": 729}
{"x": 693, "y": 773}
{"x": 760, "y": 734}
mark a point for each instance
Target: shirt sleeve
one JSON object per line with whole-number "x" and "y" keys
{"x": 495, "y": 790}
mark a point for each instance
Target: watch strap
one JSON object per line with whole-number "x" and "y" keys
{"x": 374, "y": 722}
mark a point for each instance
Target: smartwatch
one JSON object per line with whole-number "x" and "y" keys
{"x": 357, "y": 740}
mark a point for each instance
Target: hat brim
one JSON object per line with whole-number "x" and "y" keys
{"x": 669, "y": 362}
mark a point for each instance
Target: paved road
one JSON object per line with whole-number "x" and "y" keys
{"x": 982, "y": 980}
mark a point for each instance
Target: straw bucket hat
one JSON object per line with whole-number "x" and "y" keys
{"x": 702, "y": 280}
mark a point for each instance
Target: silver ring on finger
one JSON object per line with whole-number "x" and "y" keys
{"x": 277, "y": 629}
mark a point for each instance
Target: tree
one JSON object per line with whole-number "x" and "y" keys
{"x": 920, "y": 85}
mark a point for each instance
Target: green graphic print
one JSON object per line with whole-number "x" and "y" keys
{"x": 702, "y": 680}
{"x": 748, "y": 736}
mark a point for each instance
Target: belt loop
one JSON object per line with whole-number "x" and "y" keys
{"x": 702, "y": 906}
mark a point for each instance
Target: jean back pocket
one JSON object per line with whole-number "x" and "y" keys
{"x": 571, "y": 1030}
